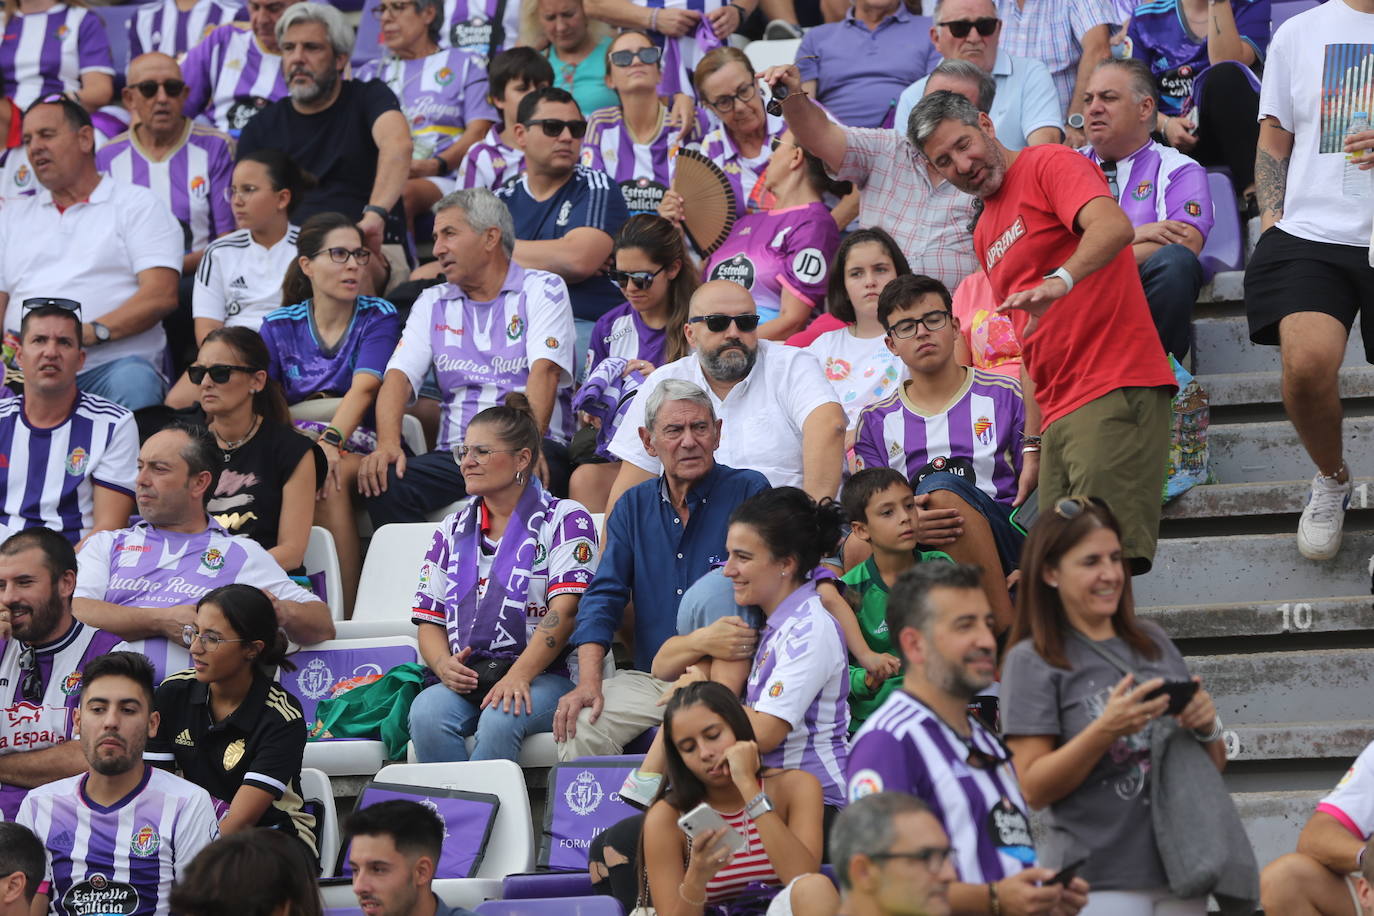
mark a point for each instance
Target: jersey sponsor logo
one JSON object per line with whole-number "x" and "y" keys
{"x": 145, "y": 841}
{"x": 959, "y": 467}
{"x": 233, "y": 754}
{"x": 1010, "y": 832}
{"x": 136, "y": 548}
{"x": 738, "y": 269}
{"x": 315, "y": 679}
{"x": 100, "y": 896}
{"x": 76, "y": 462}
{"x": 865, "y": 782}
{"x": 564, "y": 214}
{"x": 1192, "y": 208}
{"x": 444, "y": 76}
{"x": 71, "y": 684}
{"x": 1143, "y": 190}
{"x": 1004, "y": 242}
{"x": 200, "y": 187}
{"x": 212, "y": 559}
{"x": 982, "y": 428}
{"x": 809, "y": 265}
{"x": 184, "y": 739}
{"x": 584, "y": 794}
{"x": 516, "y": 328}
{"x": 474, "y": 33}
{"x": 642, "y": 195}
{"x": 450, "y": 329}
{"x": 242, "y": 109}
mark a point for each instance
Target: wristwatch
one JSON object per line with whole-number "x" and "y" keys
{"x": 1075, "y": 120}
{"x": 102, "y": 333}
{"x": 380, "y": 211}
{"x": 758, "y": 807}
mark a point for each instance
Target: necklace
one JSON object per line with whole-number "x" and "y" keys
{"x": 227, "y": 447}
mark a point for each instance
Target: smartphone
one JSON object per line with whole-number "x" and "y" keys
{"x": 1068, "y": 872}
{"x": 1024, "y": 515}
{"x": 1180, "y": 693}
{"x": 703, "y": 818}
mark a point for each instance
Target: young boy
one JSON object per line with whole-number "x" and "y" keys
{"x": 512, "y": 75}
{"x": 956, "y": 433}
{"x": 882, "y": 513}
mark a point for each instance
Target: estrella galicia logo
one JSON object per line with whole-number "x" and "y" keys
{"x": 100, "y": 896}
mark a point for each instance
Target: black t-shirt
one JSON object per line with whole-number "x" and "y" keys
{"x": 248, "y": 496}
{"x": 260, "y": 744}
{"x": 334, "y": 145}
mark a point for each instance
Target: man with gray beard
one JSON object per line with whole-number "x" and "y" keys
{"x": 350, "y": 135}
{"x": 778, "y": 412}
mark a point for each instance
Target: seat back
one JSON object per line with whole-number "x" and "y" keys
{"x": 598, "y": 905}
{"x": 116, "y": 20}
{"x": 1279, "y": 13}
{"x": 322, "y": 568}
{"x": 386, "y": 589}
{"x": 319, "y": 668}
{"x": 583, "y": 800}
{"x": 1224, "y": 248}
{"x": 765, "y": 54}
{"x": 167, "y": 657}
{"x": 547, "y": 884}
{"x": 316, "y": 789}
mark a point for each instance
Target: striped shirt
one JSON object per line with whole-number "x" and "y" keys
{"x": 49, "y": 475}
{"x": 230, "y": 78}
{"x": 744, "y": 174}
{"x": 47, "y": 52}
{"x": 905, "y": 747}
{"x": 123, "y": 858}
{"x": 167, "y": 28}
{"x": 801, "y": 676}
{"x": 1157, "y": 182}
{"x": 622, "y": 332}
{"x": 643, "y": 170}
{"x": 751, "y": 866}
{"x": 192, "y": 179}
{"x": 977, "y": 436}
{"x": 489, "y": 163}
{"x": 1051, "y": 31}
{"x": 439, "y": 95}
{"x": 239, "y": 281}
{"x": 681, "y": 55}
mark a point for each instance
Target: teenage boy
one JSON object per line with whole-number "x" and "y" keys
{"x": 882, "y": 513}
{"x": 954, "y": 431}
{"x": 512, "y": 75}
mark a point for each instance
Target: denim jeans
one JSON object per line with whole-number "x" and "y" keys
{"x": 130, "y": 381}
{"x": 440, "y": 720}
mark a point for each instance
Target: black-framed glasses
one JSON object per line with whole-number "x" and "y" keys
{"x": 30, "y": 684}
{"x": 1070, "y": 507}
{"x": 642, "y": 279}
{"x": 149, "y": 88}
{"x": 716, "y": 323}
{"x": 341, "y": 255}
{"x": 219, "y": 373}
{"x": 907, "y": 327}
{"x": 44, "y": 302}
{"x": 211, "y": 641}
{"x": 726, "y": 103}
{"x": 479, "y": 453}
{"x": 649, "y": 55}
{"x": 396, "y": 9}
{"x": 932, "y": 857}
{"x": 960, "y": 28}
{"x": 554, "y": 127}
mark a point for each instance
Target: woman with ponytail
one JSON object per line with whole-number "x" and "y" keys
{"x": 225, "y": 725}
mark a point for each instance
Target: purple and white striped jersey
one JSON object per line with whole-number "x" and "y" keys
{"x": 48, "y": 476}
{"x": 905, "y": 747}
{"x": 801, "y": 675}
{"x": 642, "y": 170}
{"x": 977, "y": 437}
{"x": 165, "y": 27}
{"x": 621, "y": 332}
{"x": 125, "y": 858}
{"x": 481, "y": 351}
{"x": 1157, "y": 182}
{"x": 192, "y": 179}
{"x": 47, "y": 52}
{"x": 743, "y": 174}
{"x": 469, "y": 26}
{"x": 230, "y": 78}
{"x": 28, "y": 726}
{"x": 681, "y": 55}
{"x": 439, "y": 95}
{"x": 489, "y": 163}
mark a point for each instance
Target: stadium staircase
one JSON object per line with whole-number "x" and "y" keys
{"x": 1285, "y": 645}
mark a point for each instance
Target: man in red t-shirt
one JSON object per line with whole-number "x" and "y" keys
{"x": 1056, "y": 247}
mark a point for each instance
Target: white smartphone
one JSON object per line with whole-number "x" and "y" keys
{"x": 703, "y": 818}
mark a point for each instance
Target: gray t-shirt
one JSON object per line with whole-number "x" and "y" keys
{"x": 1107, "y": 818}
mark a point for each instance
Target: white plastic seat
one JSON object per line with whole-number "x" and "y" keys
{"x": 315, "y": 787}
{"x": 386, "y": 589}
{"x": 765, "y": 54}
{"x": 322, "y": 556}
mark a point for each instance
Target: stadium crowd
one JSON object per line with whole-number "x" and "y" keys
{"x": 799, "y": 426}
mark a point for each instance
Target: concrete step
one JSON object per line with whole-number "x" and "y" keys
{"x": 1267, "y": 451}
{"x": 1273, "y": 820}
{"x": 1298, "y": 741}
{"x": 1252, "y": 619}
{"x": 1246, "y": 568}
{"x": 1221, "y": 344}
{"x": 1226, "y": 288}
{"x": 1285, "y": 688}
{"x": 1238, "y": 500}
{"x": 1264, "y": 388}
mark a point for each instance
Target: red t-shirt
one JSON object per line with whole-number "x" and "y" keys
{"x": 1100, "y": 336}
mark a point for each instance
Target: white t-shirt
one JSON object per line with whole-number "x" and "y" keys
{"x": 762, "y": 415}
{"x": 239, "y": 281}
{"x": 862, "y": 370}
{"x": 1315, "y": 75}
{"x": 1352, "y": 801}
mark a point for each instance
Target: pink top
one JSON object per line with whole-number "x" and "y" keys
{"x": 991, "y": 337}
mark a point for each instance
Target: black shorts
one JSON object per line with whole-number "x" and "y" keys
{"x": 1287, "y": 275}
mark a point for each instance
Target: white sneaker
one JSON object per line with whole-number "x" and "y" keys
{"x": 1319, "y": 529}
{"x": 781, "y": 30}
{"x": 640, "y": 789}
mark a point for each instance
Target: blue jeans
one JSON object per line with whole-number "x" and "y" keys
{"x": 584, "y": 343}
{"x": 441, "y": 719}
{"x": 1004, "y": 535}
{"x": 131, "y": 381}
{"x": 1172, "y": 278}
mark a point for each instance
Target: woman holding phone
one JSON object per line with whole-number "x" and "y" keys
{"x": 1079, "y": 730}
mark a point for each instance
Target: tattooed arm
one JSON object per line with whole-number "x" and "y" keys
{"x": 1271, "y": 170}
{"x": 1223, "y": 37}
{"x": 543, "y": 647}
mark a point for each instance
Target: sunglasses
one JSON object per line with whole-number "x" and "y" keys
{"x": 554, "y": 127}
{"x": 341, "y": 255}
{"x": 642, "y": 279}
{"x": 717, "y": 323}
{"x": 780, "y": 94}
{"x": 960, "y": 28}
{"x": 1071, "y": 507}
{"x": 219, "y": 373}
{"x": 31, "y": 686}
{"x": 149, "y": 88}
{"x": 43, "y": 302}
{"x": 649, "y": 55}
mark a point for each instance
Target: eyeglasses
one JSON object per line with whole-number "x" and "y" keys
{"x": 480, "y": 453}
{"x": 149, "y": 88}
{"x": 649, "y": 55}
{"x": 554, "y": 127}
{"x": 932, "y": 857}
{"x": 960, "y": 28}
{"x": 43, "y": 302}
{"x": 31, "y": 686}
{"x": 219, "y": 373}
{"x": 717, "y": 323}
{"x": 642, "y": 279}
{"x": 211, "y": 642}
{"x": 726, "y": 103}
{"x": 395, "y": 9}
{"x": 341, "y": 255}
{"x": 777, "y": 142}
{"x": 240, "y": 190}
{"x": 905, "y": 328}
{"x": 1071, "y": 507}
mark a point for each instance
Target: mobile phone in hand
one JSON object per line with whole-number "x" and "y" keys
{"x": 1068, "y": 873}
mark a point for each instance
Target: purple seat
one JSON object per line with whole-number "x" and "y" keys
{"x": 367, "y": 46}
{"x": 641, "y": 744}
{"x": 1281, "y": 12}
{"x": 552, "y": 906}
{"x": 117, "y": 19}
{"x": 342, "y": 911}
{"x": 1225, "y": 245}
{"x": 547, "y": 884}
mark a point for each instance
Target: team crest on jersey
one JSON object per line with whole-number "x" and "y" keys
{"x": 200, "y": 187}
{"x": 76, "y": 462}
{"x": 864, "y": 782}
{"x": 584, "y": 794}
{"x": 551, "y": 343}
{"x": 145, "y": 841}
{"x": 444, "y": 77}
{"x": 582, "y": 553}
{"x": 982, "y": 428}
{"x": 212, "y": 559}
{"x": 515, "y": 328}
{"x": 315, "y": 679}
{"x": 22, "y": 176}
{"x": 71, "y": 684}
{"x": 63, "y": 31}
{"x": 233, "y": 754}
{"x": 1143, "y": 190}
{"x": 539, "y": 554}
{"x": 1192, "y": 208}
{"x": 564, "y": 214}
{"x": 775, "y": 691}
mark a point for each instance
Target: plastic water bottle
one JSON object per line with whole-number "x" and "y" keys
{"x": 1357, "y": 184}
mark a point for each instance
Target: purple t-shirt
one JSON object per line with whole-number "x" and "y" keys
{"x": 642, "y": 170}
{"x": 1160, "y": 37}
{"x": 621, "y": 332}
{"x": 439, "y": 95}
{"x": 861, "y": 72}
{"x": 230, "y": 78}
{"x": 305, "y": 367}
{"x": 1157, "y": 182}
{"x": 47, "y": 52}
{"x": 978, "y": 437}
{"x": 774, "y": 250}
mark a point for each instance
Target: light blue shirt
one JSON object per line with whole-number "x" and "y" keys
{"x": 1026, "y": 100}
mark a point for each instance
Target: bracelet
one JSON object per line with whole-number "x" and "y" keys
{"x": 1030, "y": 450}
{"x": 380, "y": 211}
{"x": 681, "y": 892}
{"x": 743, "y": 14}
{"x": 653, "y": 19}
{"x": 1213, "y": 735}
{"x": 1030, "y": 440}
{"x": 443, "y": 166}
{"x": 994, "y": 905}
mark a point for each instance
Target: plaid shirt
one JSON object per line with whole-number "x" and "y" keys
{"x": 929, "y": 222}
{"x": 1051, "y": 31}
